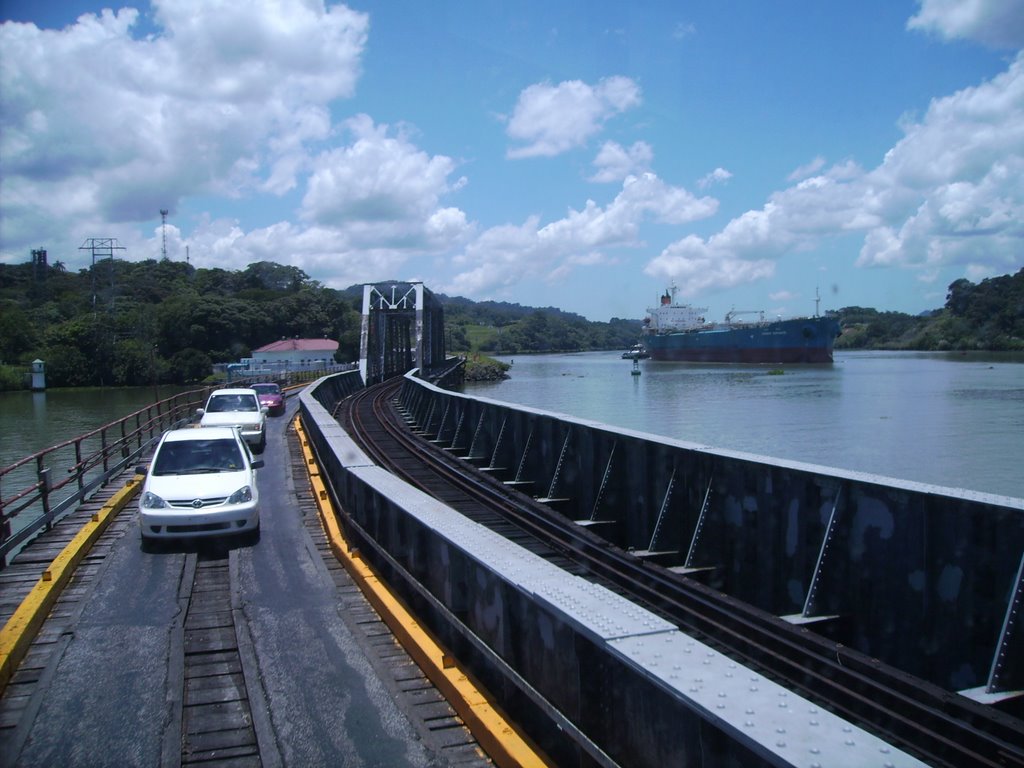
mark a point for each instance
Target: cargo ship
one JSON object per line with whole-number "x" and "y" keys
{"x": 679, "y": 332}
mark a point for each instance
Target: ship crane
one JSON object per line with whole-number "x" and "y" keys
{"x": 733, "y": 312}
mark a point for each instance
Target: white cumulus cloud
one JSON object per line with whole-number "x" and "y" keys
{"x": 225, "y": 99}
{"x": 996, "y": 23}
{"x": 377, "y": 177}
{"x": 807, "y": 170}
{"x": 948, "y": 194}
{"x": 700, "y": 267}
{"x": 506, "y": 255}
{"x": 552, "y": 119}
{"x": 615, "y": 162}
{"x": 717, "y": 176}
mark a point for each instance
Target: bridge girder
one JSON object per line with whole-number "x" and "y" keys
{"x": 402, "y": 328}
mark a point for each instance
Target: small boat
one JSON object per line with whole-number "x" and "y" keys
{"x": 636, "y": 352}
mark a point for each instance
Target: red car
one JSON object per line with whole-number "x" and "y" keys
{"x": 271, "y": 396}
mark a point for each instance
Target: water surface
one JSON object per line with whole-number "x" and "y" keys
{"x": 947, "y": 419}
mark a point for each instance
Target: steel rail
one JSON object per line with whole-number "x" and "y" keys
{"x": 941, "y": 727}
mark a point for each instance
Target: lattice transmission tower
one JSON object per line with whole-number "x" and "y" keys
{"x": 163, "y": 232}
{"x": 102, "y": 248}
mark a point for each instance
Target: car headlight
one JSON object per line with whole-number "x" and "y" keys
{"x": 241, "y": 496}
{"x": 152, "y": 501}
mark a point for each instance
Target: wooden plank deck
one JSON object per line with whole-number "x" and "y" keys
{"x": 26, "y": 568}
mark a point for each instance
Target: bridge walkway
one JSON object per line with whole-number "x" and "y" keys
{"x": 137, "y": 663}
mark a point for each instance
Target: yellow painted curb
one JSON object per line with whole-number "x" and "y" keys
{"x": 21, "y": 629}
{"x": 504, "y": 744}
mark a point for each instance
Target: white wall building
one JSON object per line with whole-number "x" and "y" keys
{"x": 294, "y": 354}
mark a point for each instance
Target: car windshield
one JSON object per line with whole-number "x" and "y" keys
{"x": 224, "y": 403}
{"x": 198, "y": 457}
{"x": 266, "y": 389}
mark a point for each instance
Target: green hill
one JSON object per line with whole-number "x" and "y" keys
{"x": 121, "y": 323}
{"x": 984, "y": 316}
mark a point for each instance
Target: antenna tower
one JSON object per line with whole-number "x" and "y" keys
{"x": 163, "y": 232}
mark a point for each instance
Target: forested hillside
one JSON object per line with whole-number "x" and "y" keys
{"x": 130, "y": 323}
{"x": 985, "y": 316}
{"x": 122, "y": 323}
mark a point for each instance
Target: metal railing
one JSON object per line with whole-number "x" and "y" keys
{"x": 52, "y": 482}
{"x": 285, "y": 374}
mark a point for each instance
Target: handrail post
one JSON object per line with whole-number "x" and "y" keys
{"x": 5, "y": 534}
{"x": 44, "y": 489}
{"x": 103, "y": 449}
{"x": 78, "y": 464}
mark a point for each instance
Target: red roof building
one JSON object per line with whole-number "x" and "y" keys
{"x": 297, "y": 352}
{"x": 299, "y": 345}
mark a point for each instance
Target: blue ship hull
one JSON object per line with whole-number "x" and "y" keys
{"x": 803, "y": 340}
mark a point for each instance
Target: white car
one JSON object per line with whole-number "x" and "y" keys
{"x": 237, "y": 408}
{"x": 201, "y": 482}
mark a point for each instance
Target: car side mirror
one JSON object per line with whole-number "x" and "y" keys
{"x": 141, "y": 469}
{"x": 257, "y": 464}
{"x": 200, "y": 411}
{"x": 264, "y": 409}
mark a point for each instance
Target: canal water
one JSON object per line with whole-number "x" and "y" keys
{"x": 31, "y": 421}
{"x": 947, "y": 419}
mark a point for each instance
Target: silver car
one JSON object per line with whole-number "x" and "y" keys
{"x": 240, "y": 408}
{"x": 201, "y": 482}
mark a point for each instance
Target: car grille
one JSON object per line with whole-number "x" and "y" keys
{"x": 205, "y": 528}
{"x": 211, "y": 501}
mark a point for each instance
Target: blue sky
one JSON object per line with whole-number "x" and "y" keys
{"x": 583, "y": 155}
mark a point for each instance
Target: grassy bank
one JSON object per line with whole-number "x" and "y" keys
{"x": 481, "y": 368}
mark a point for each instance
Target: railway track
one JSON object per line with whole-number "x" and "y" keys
{"x": 224, "y": 715}
{"x": 938, "y": 726}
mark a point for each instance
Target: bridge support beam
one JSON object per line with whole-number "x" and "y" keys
{"x": 402, "y": 328}
{"x": 926, "y": 579}
{"x": 594, "y": 678}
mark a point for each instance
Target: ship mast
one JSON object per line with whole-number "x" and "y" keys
{"x": 817, "y": 301}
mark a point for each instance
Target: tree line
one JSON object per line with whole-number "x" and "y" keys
{"x": 122, "y": 323}
{"x": 986, "y": 316}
